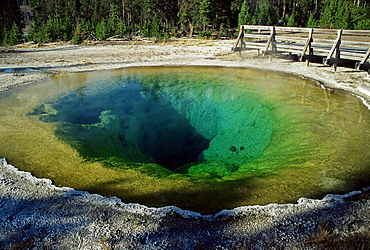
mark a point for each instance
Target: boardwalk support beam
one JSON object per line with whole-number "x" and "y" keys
{"x": 364, "y": 59}
{"x": 307, "y": 46}
{"x": 271, "y": 41}
{"x": 334, "y": 51}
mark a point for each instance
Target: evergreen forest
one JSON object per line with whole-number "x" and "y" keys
{"x": 76, "y": 20}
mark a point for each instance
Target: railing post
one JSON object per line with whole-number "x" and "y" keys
{"x": 239, "y": 40}
{"x": 335, "y": 49}
{"x": 259, "y": 33}
{"x": 271, "y": 41}
{"x": 307, "y": 46}
{"x": 364, "y": 59}
{"x": 242, "y": 30}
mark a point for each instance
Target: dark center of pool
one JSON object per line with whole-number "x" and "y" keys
{"x": 186, "y": 126}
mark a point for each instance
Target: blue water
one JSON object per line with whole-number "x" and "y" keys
{"x": 163, "y": 119}
{"x": 200, "y": 138}
{"x": 22, "y": 70}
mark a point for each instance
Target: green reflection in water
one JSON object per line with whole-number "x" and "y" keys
{"x": 224, "y": 137}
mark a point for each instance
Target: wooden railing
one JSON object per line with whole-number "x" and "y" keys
{"x": 329, "y": 46}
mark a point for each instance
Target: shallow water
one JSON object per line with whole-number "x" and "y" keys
{"x": 23, "y": 70}
{"x": 200, "y": 138}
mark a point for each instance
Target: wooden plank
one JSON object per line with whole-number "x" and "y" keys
{"x": 295, "y": 46}
{"x": 357, "y": 32}
{"x": 335, "y": 48}
{"x": 307, "y": 46}
{"x": 364, "y": 59}
{"x": 356, "y": 43}
{"x": 359, "y": 56}
{"x": 271, "y": 40}
{"x": 290, "y": 38}
{"x": 326, "y": 31}
{"x": 239, "y": 39}
{"x": 255, "y": 45}
{"x": 326, "y": 43}
{"x": 256, "y": 27}
{"x": 367, "y": 55}
{"x": 249, "y": 35}
{"x": 291, "y": 29}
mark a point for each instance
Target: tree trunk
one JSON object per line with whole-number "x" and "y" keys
{"x": 123, "y": 12}
{"x": 191, "y": 27}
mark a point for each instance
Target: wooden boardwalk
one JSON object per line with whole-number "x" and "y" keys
{"x": 349, "y": 48}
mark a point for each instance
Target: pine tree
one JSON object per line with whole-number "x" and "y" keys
{"x": 9, "y": 14}
{"x": 343, "y": 19}
{"x": 13, "y": 36}
{"x": 312, "y": 23}
{"x": 156, "y": 27}
{"x": 292, "y": 20}
{"x": 329, "y": 12}
{"x": 102, "y": 31}
{"x": 188, "y": 14}
{"x": 361, "y": 17}
{"x": 205, "y": 12}
{"x": 113, "y": 20}
{"x": 265, "y": 13}
{"x": 244, "y": 16}
{"x": 67, "y": 19}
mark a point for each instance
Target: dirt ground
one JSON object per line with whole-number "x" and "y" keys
{"x": 34, "y": 214}
{"x": 64, "y": 57}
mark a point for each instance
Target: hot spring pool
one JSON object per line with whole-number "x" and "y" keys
{"x": 201, "y": 138}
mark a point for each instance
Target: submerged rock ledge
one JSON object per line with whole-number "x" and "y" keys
{"x": 36, "y": 214}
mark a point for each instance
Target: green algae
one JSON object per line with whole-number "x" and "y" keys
{"x": 150, "y": 118}
{"x": 272, "y": 137}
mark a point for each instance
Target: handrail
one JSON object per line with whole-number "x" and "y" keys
{"x": 299, "y": 29}
{"x": 304, "y": 41}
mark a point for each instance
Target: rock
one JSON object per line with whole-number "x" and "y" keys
{"x": 36, "y": 214}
